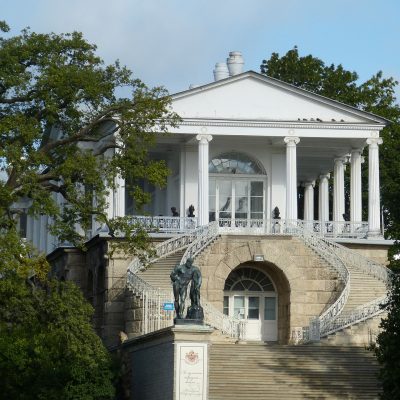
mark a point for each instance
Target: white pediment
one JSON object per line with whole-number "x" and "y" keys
{"x": 252, "y": 96}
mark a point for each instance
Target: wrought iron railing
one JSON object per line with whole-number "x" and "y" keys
{"x": 162, "y": 250}
{"x": 154, "y": 316}
{"x": 329, "y": 229}
{"x": 204, "y": 236}
{"x": 333, "y": 320}
{"x": 359, "y": 314}
{"x": 325, "y": 249}
{"x": 166, "y": 224}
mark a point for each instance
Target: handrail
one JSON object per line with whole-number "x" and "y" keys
{"x": 324, "y": 248}
{"x": 165, "y": 224}
{"x": 204, "y": 235}
{"x": 332, "y": 320}
{"x": 163, "y": 249}
{"x": 359, "y": 314}
{"x": 157, "y": 318}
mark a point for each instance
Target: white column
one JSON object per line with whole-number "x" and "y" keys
{"x": 323, "y": 198}
{"x": 374, "y": 203}
{"x": 291, "y": 177}
{"x": 182, "y": 168}
{"x": 309, "y": 201}
{"x": 355, "y": 186}
{"x": 338, "y": 189}
{"x": 202, "y": 211}
{"x": 119, "y": 197}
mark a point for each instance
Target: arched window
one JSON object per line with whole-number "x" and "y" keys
{"x": 248, "y": 279}
{"x": 235, "y": 163}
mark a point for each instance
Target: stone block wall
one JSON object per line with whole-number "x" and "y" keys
{"x": 305, "y": 285}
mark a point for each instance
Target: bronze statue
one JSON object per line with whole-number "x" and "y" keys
{"x": 181, "y": 276}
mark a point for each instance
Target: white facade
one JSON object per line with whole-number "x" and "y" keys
{"x": 296, "y": 139}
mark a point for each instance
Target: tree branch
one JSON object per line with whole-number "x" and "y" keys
{"x": 82, "y": 132}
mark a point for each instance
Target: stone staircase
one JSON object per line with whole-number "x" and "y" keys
{"x": 364, "y": 288}
{"x": 157, "y": 274}
{"x": 258, "y": 371}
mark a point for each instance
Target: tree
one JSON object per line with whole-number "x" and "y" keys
{"x": 387, "y": 348}
{"x": 376, "y": 95}
{"x": 48, "y": 348}
{"x": 65, "y": 131}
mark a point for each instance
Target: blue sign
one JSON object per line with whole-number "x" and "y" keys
{"x": 168, "y": 306}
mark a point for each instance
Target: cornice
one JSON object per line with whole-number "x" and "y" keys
{"x": 279, "y": 124}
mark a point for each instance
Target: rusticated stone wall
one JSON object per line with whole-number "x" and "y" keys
{"x": 305, "y": 285}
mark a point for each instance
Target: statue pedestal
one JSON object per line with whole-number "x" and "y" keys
{"x": 170, "y": 364}
{"x": 186, "y": 321}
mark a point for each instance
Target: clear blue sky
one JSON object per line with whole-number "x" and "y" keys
{"x": 175, "y": 43}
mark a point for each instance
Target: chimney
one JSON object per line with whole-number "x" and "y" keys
{"x": 235, "y": 63}
{"x": 220, "y": 71}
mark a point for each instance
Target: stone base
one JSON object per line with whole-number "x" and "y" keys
{"x": 186, "y": 321}
{"x": 169, "y": 364}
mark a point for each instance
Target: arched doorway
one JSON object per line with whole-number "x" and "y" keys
{"x": 250, "y": 294}
{"x": 237, "y": 188}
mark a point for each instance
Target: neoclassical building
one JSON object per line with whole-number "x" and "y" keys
{"x": 283, "y": 258}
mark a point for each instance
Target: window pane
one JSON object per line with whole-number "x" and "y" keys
{"x": 234, "y": 163}
{"x": 238, "y": 304}
{"x": 225, "y": 199}
{"x": 226, "y": 305}
{"x": 256, "y": 204}
{"x": 254, "y": 308}
{"x": 270, "y": 309}
{"x": 256, "y": 189}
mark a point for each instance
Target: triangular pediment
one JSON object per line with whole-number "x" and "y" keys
{"x": 252, "y": 96}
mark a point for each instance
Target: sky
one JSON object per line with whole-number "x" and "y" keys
{"x": 175, "y": 43}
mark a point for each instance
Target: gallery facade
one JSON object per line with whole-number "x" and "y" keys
{"x": 245, "y": 149}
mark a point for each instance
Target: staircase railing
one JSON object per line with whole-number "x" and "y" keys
{"x": 325, "y": 248}
{"x": 359, "y": 314}
{"x": 164, "y": 249}
{"x": 154, "y": 316}
{"x": 332, "y": 320}
{"x": 204, "y": 236}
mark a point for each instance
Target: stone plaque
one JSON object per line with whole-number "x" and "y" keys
{"x": 191, "y": 371}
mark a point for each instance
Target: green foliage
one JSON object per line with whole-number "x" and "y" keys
{"x": 48, "y": 349}
{"x": 387, "y": 348}
{"x": 64, "y": 131}
{"x": 376, "y": 95}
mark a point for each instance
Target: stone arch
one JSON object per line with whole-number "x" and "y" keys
{"x": 282, "y": 288}
{"x": 306, "y": 285}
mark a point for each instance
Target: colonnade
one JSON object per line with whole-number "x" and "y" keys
{"x": 355, "y": 159}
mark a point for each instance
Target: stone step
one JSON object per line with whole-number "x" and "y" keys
{"x": 157, "y": 274}
{"x": 258, "y": 371}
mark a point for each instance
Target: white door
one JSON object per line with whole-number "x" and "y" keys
{"x": 248, "y": 308}
{"x": 259, "y": 312}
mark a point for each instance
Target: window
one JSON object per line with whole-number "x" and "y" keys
{"x": 235, "y": 163}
